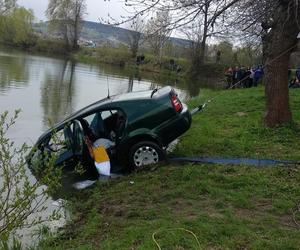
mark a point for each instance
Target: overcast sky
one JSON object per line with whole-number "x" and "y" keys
{"x": 95, "y": 8}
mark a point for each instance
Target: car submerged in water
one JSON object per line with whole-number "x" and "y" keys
{"x": 141, "y": 125}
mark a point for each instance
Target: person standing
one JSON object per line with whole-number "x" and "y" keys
{"x": 298, "y": 75}
{"x": 258, "y": 74}
{"x": 243, "y": 77}
{"x": 229, "y": 78}
{"x": 248, "y": 83}
{"x": 236, "y": 76}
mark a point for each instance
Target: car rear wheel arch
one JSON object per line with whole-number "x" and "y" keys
{"x": 145, "y": 137}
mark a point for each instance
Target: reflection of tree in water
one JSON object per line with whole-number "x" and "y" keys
{"x": 153, "y": 86}
{"x": 13, "y": 71}
{"x": 131, "y": 87}
{"x": 57, "y": 93}
{"x": 181, "y": 86}
{"x": 195, "y": 82}
{"x": 130, "y": 84}
{"x": 193, "y": 87}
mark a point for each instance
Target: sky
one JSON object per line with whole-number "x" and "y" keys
{"x": 95, "y": 8}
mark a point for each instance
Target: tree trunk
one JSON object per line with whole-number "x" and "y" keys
{"x": 277, "y": 92}
{"x": 76, "y": 29}
{"x": 65, "y": 34}
{"x": 202, "y": 50}
{"x": 278, "y": 43}
{"x": 204, "y": 38}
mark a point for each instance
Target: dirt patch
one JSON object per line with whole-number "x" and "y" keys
{"x": 190, "y": 209}
{"x": 263, "y": 208}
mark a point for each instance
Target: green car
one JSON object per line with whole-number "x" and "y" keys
{"x": 141, "y": 125}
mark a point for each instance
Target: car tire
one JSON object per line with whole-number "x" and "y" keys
{"x": 145, "y": 153}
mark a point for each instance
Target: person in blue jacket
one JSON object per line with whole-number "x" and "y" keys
{"x": 258, "y": 74}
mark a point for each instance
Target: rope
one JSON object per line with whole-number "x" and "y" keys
{"x": 172, "y": 229}
{"x": 246, "y": 77}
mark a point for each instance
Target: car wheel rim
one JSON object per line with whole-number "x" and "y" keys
{"x": 145, "y": 155}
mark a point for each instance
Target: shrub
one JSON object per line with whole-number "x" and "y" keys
{"x": 21, "y": 197}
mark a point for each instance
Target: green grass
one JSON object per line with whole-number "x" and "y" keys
{"x": 226, "y": 207}
{"x": 232, "y": 125}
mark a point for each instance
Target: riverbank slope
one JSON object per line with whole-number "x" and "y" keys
{"x": 224, "y": 206}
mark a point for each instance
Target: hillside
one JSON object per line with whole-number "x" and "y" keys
{"x": 102, "y": 33}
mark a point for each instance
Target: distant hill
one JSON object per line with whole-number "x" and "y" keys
{"x": 101, "y": 33}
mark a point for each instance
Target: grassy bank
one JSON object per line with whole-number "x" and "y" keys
{"x": 226, "y": 207}
{"x": 120, "y": 56}
{"x": 232, "y": 125}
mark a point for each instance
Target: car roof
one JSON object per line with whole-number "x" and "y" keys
{"x": 137, "y": 95}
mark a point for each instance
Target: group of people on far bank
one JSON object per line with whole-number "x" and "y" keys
{"x": 242, "y": 77}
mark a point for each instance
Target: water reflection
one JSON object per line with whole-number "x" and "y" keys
{"x": 67, "y": 87}
{"x": 130, "y": 84}
{"x": 193, "y": 87}
{"x": 13, "y": 72}
{"x": 57, "y": 92}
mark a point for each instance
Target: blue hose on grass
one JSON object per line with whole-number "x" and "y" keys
{"x": 234, "y": 161}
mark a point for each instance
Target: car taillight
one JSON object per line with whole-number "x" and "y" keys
{"x": 176, "y": 103}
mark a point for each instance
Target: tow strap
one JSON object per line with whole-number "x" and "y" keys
{"x": 234, "y": 161}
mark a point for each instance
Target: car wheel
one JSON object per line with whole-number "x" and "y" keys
{"x": 145, "y": 153}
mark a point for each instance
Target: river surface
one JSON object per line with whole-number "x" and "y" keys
{"x": 48, "y": 89}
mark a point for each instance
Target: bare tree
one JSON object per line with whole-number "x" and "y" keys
{"x": 279, "y": 37}
{"x": 7, "y": 5}
{"x": 56, "y": 12}
{"x": 78, "y": 10}
{"x": 193, "y": 33}
{"x": 277, "y": 23}
{"x": 158, "y": 32}
{"x": 207, "y": 22}
{"x": 208, "y": 14}
{"x": 65, "y": 17}
{"x": 135, "y": 36}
